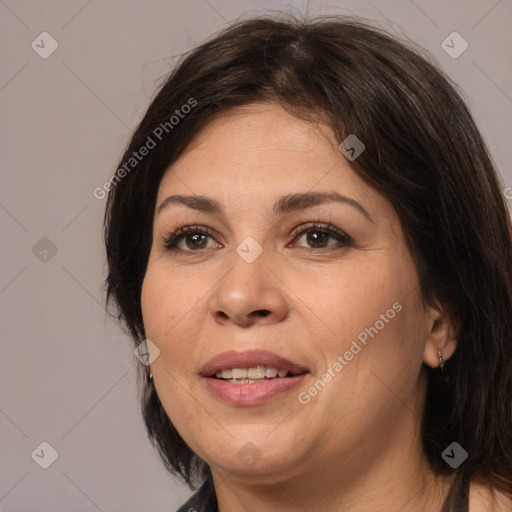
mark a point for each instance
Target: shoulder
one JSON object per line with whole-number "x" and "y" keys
{"x": 483, "y": 498}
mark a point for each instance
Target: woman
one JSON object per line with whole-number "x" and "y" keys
{"x": 307, "y": 233}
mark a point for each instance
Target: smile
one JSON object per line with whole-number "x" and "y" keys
{"x": 250, "y": 378}
{"x": 250, "y": 375}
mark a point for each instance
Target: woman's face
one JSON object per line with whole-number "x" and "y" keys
{"x": 257, "y": 286}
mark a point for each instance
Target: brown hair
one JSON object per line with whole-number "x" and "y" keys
{"x": 423, "y": 153}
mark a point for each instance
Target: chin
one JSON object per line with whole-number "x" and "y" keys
{"x": 254, "y": 456}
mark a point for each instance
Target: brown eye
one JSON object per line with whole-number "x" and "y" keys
{"x": 317, "y": 236}
{"x": 317, "y": 239}
{"x": 194, "y": 238}
{"x": 196, "y": 241}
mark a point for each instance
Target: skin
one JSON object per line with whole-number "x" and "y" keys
{"x": 355, "y": 446}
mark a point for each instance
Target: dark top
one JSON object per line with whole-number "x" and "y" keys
{"x": 458, "y": 497}
{"x": 205, "y": 500}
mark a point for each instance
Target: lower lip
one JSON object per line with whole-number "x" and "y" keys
{"x": 252, "y": 394}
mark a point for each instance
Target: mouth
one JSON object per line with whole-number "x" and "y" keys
{"x": 251, "y": 377}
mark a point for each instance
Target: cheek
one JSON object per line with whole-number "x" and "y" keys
{"x": 364, "y": 300}
{"x": 380, "y": 363}
{"x": 166, "y": 308}
{"x": 390, "y": 361}
{"x": 376, "y": 322}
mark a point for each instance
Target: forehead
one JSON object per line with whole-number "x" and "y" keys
{"x": 256, "y": 153}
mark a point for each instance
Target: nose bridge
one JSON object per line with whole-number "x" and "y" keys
{"x": 249, "y": 289}
{"x": 249, "y": 264}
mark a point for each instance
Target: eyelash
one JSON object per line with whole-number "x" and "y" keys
{"x": 171, "y": 240}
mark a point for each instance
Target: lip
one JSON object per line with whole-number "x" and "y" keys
{"x": 255, "y": 393}
{"x": 251, "y": 394}
{"x": 249, "y": 359}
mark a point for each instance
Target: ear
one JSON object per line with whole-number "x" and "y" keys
{"x": 443, "y": 335}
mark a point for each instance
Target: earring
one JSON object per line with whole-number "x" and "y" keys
{"x": 151, "y": 376}
{"x": 442, "y": 364}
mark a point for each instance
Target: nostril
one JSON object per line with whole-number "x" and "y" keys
{"x": 262, "y": 312}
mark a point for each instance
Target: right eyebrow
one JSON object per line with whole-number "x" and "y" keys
{"x": 201, "y": 203}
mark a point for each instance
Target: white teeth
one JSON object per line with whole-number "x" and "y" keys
{"x": 249, "y": 375}
{"x": 244, "y": 381}
{"x": 239, "y": 373}
{"x": 256, "y": 373}
{"x": 270, "y": 372}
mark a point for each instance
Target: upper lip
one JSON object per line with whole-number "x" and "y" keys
{"x": 249, "y": 359}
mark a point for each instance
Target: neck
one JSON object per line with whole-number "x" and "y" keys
{"x": 382, "y": 490}
{"x": 396, "y": 477}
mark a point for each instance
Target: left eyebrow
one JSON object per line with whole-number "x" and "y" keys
{"x": 294, "y": 202}
{"x": 285, "y": 204}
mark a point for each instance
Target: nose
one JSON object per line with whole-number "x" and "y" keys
{"x": 250, "y": 293}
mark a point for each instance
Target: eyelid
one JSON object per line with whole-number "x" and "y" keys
{"x": 171, "y": 238}
{"x": 343, "y": 240}
{"x": 321, "y": 226}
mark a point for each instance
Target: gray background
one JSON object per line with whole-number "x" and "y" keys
{"x": 66, "y": 371}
